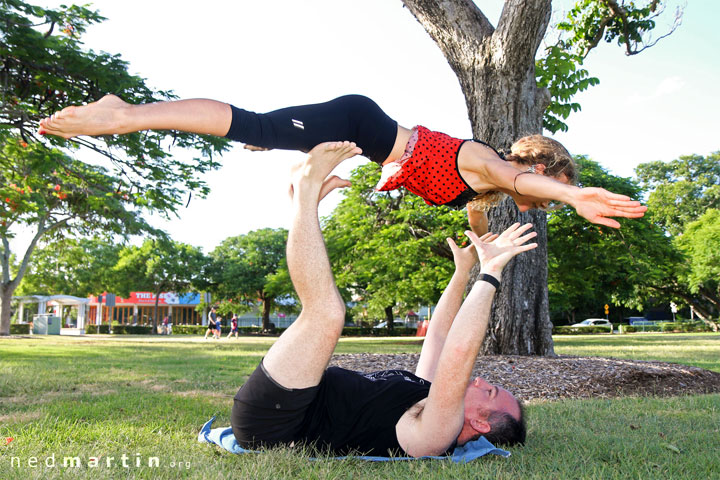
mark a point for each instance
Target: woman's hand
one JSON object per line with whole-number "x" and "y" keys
{"x": 595, "y": 204}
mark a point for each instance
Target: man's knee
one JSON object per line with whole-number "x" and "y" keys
{"x": 336, "y": 312}
{"x": 331, "y": 313}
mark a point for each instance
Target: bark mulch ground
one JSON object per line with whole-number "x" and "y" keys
{"x": 537, "y": 379}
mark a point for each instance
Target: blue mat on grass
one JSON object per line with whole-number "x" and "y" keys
{"x": 224, "y": 438}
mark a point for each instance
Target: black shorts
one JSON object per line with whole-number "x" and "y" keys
{"x": 266, "y": 414}
{"x": 353, "y": 117}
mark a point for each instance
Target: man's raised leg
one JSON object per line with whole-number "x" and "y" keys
{"x": 300, "y": 356}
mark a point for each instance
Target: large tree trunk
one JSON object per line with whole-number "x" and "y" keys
{"x": 6, "y": 292}
{"x": 496, "y": 70}
{"x": 390, "y": 318}
{"x": 266, "y": 307}
{"x": 156, "y": 310}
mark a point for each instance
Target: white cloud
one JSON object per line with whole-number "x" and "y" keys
{"x": 669, "y": 85}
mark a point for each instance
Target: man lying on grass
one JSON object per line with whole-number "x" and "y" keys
{"x": 293, "y": 397}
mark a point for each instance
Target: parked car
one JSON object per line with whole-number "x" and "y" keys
{"x": 396, "y": 324}
{"x": 593, "y": 322}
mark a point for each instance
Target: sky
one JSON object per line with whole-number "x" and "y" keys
{"x": 265, "y": 55}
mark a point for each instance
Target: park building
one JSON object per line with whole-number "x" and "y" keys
{"x": 139, "y": 308}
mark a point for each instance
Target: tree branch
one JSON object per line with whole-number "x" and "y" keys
{"x": 520, "y": 31}
{"x": 28, "y": 253}
{"x": 457, "y": 26}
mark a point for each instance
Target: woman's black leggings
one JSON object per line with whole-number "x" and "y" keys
{"x": 353, "y": 117}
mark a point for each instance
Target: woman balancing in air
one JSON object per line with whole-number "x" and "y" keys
{"x": 441, "y": 169}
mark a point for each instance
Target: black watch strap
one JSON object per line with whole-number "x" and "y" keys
{"x": 490, "y": 279}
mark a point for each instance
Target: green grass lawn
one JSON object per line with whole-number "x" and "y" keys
{"x": 146, "y": 397}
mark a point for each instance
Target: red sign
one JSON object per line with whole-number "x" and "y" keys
{"x": 166, "y": 298}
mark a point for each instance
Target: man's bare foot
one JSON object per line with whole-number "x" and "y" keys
{"x": 253, "y": 148}
{"x": 98, "y": 118}
{"x": 331, "y": 183}
{"x": 322, "y": 159}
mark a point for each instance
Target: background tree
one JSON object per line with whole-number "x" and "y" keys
{"x": 590, "y": 266}
{"x": 48, "y": 194}
{"x": 701, "y": 244}
{"x": 682, "y": 190}
{"x": 44, "y": 69}
{"x": 494, "y": 63}
{"x": 158, "y": 265}
{"x": 72, "y": 266}
{"x": 388, "y": 249}
{"x": 245, "y": 270}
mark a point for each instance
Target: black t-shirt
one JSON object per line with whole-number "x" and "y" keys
{"x": 357, "y": 413}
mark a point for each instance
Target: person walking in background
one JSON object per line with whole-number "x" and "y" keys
{"x": 233, "y": 326}
{"x": 212, "y": 318}
{"x": 218, "y": 328}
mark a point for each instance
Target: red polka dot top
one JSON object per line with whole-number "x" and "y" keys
{"x": 429, "y": 169}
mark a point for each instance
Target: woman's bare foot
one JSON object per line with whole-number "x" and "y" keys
{"x": 103, "y": 117}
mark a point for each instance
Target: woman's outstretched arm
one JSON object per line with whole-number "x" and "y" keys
{"x": 111, "y": 115}
{"x": 594, "y": 204}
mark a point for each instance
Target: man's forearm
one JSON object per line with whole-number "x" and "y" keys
{"x": 446, "y": 310}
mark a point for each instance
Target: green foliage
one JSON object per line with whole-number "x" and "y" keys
{"x": 378, "y": 332}
{"x": 118, "y": 329}
{"x": 681, "y": 190}
{"x": 559, "y": 71}
{"x": 158, "y": 265}
{"x": 70, "y": 266}
{"x": 42, "y": 188}
{"x": 626, "y": 23}
{"x": 251, "y": 268}
{"x": 48, "y": 191}
{"x": 701, "y": 244}
{"x": 568, "y": 330}
{"x": 588, "y": 23}
{"x": 19, "y": 329}
{"x": 45, "y": 69}
{"x": 189, "y": 329}
{"x": 589, "y": 266}
{"x": 388, "y": 249}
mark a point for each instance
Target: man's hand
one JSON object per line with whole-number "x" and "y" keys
{"x": 494, "y": 255}
{"x": 596, "y": 204}
{"x": 466, "y": 258}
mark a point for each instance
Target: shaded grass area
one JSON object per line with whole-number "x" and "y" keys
{"x": 697, "y": 349}
{"x": 147, "y": 398}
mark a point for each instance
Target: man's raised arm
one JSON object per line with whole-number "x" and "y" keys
{"x": 442, "y": 418}
{"x": 447, "y": 307}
